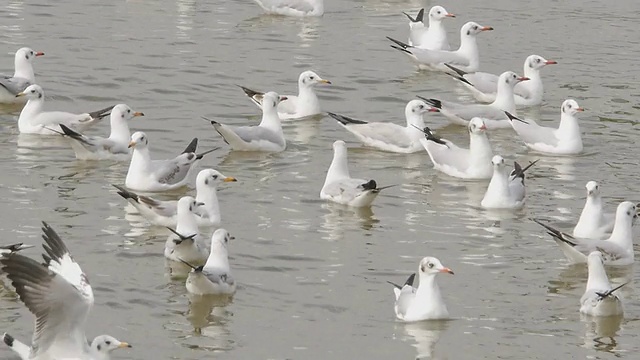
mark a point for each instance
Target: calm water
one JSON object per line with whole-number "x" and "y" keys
{"x": 313, "y": 275}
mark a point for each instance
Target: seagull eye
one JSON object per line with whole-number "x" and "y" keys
{"x": 311, "y": 77}
{"x": 475, "y": 27}
{"x": 596, "y": 187}
{"x": 108, "y": 342}
{"x": 215, "y": 177}
{"x": 33, "y": 91}
{"x": 438, "y": 11}
{"x": 430, "y": 265}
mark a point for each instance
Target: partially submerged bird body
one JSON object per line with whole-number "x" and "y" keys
{"x": 600, "y": 298}
{"x": 433, "y": 37}
{"x": 506, "y": 190}
{"x": 23, "y": 77}
{"x": 214, "y": 277}
{"x": 189, "y": 245}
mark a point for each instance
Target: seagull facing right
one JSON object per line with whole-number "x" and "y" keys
{"x": 506, "y": 190}
{"x": 341, "y": 188}
{"x": 189, "y": 244}
{"x": 471, "y": 163}
{"x": 298, "y": 8}
{"x": 433, "y": 37}
{"x": 424, "y": 302}
{"x": 593, "y": 222}
{"x": 599, "y": 298}
{"x": 616, "y": 250}
{"x": 304, "y": 104}
{"x": 565, "y": 140}
{"x": 59, "y": 295}
{"x": 23, "y": 76}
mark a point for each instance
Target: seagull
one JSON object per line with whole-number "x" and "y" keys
{"x": 58, "y": 293}
{"x": 299, "y": 8}
{"x": 593, "y": 222}
{"x": 164, "y": 213}
{"x": 433, "y": 37}
{"x": 6, "y": 250}
{"x": 305, "y": 104}
{"x": 493, "y": 114}
{"x": 616, "y": 250}
{"x": 159, "y": 175}
{"x": 341, "y": 188}
{"x": 599, "y": 298}
{"x": 484, "y": 86}
{"x": 189, "y": 245}
{"x": 471, "y": 163}
{"x": 387, "y": 136}
{"x": 33, "y": 120}
{"x": 267, "y": 136}
{"x": 424, "y": 302}
{"x": 98, "y": 148}
{"x": 565, "y": 140}
{"x": 505, "y": 191}
{"x": 23, "y": 76}
{"x": 214, "y": 277}
{"x": 466, "y": 57}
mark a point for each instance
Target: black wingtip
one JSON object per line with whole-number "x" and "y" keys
{"x": 201, "y": 155}
{"x": 410, "y": 280}
{"x": 460, "y": 73}
{"x": 554, "y": 232}
{"x": 213, "y": 122}
{"x": 370, "y": 185}
{"x": 345, "y": 120}
{"x": 429, "y": 135}
{"x": 605, "y": 294}
{"x": 68, "y": 131}
{"x": 399, "y": 43}
{"x": 191, "y": 148}
{"x": 180, "y": 236}
{"x": 126, "y": 193}
{"x": 432, "y": 102}
{"x": 8, "y": 339}
{"x": 101, "y": 113}
{"x": 512, "y": 117}
{"x": 250, "y": 93}
{"x": 420, "y": 16}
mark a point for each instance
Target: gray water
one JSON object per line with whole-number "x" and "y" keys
{"x": 312, "y": 275}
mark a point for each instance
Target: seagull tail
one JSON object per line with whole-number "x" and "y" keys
{"x": 191, "y": 148}
{"x": 345, "y": 120}
{"x": 605, "y": 294}
{"x": 21, "y": 349}
{"x": 512, "y": 117}
{"x": 460, "y": 73}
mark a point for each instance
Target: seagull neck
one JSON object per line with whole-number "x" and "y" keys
{"x": 415, "y": 124}
{"x": 597, "y": 279}
{"x": 30, "y": 110}
{"x": 209, "y": 197}
{"x": 339, "y": 168}
{"x": 307, "y": 98}
{"x": 186, "y": 223}
{"x": 504, "y": 98}
{"x": 140, "y": 159}
{"x": 469, "y": 49}
{"x": 436, "y": 27}
{"x": 591, "y": 211}
{"x": 428, "y": 290}
{"x": 480, "y": 148}
{"x": 218, "y": 258}
{"x": 120, "y": 132}
{"x": 622, "y": 233}
{"x": 24, "y": 69}
{"x": 499, "y": 184}
{"x": 271, "y": 120}
{"x": 568, "y": 126}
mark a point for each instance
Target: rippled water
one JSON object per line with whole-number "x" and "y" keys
{"x": 312, "y": 276}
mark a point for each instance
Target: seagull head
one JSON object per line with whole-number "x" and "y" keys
{"x": 511, "y": 78}
{"x": 211, "y": 178}
{"x": 595, "y": 257}
{"x": 32, "y": 92}
{"x": 105, "y": 344}
{"x": 27, "y": 54}
{"x": 438, "y": 13}
{"x": 430, "y": 265}
{"x": 124, "y": 112}
{"x": 188, "y": 204}
{"x": 139, "y": 140}
{"x": 221, "y": 238}
{"x": 498, "y": 162}
{"x": 593, "y": 189}
{"x": 537, "y": 62}
{"x": 310, "y": 79}
{"x": 571, "y": 107}
{"x": 472, "y": 29}
{"x": 627, "y": 212}
{"x": 271, "y": 100}
{"x": 477, "y": 126}
{"x": 418, "y": 107}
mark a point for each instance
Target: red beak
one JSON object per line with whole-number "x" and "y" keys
{"x": 486, "y": 28}
{"x": 39, "y": 53}
{"x": 434, "y": 110}
{"x": 450, "y": 15}
{"x": 483, "y": 127}
{"x": 579, "y": 109}
{"x": 523, "y": 78}
{"x": 551, "y": 62}
{"x": 446, "y": 270}
{"x": 283, "y": 98}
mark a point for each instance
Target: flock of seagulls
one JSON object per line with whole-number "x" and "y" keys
{"x": 59, "y": 295}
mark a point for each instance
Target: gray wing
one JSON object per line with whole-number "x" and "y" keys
{"x": 257, "y": 133}
{"x": 447, "y": 155}
{"x": 345, "y": 188}
{"x": 406, "y": 298}
{"x": 386, "y": 133}
{"x": 173, "y": 171}
{"x": 159, "y": 207}
{"x": 468, "y": 111}
{"x": 484, "y": 82}
{"x": 439, "y": 57}
{"x": 522, "y": 90}
{"x": 532, "y": 133}
{"x": 219, "y": 277}
{"x": 14, "y": 84}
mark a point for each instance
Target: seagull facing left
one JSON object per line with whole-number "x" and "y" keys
{"x": 33, "y": 120}
{"x": 599, "y": 298}
{"x": 341, "y": 188}
{"x": 506, "y": 190}
{"x": 58, "y": 293}
{"x": 424, "y": 302}
{"x": 23, "y": 76}
{"x": 159, "y": 175}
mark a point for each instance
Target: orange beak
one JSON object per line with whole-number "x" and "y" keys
{"x": 483, "y": 127}
{"x": 39, "y": 53}
{"x": 523, "y": 78}
{"x": 450, "y": 15}
{"x": 132, "y": 144}
{"x": 486, "y": 28}
{"x": 446, "y": 270}
{"x": 434, "y": 110}
{"x": 580, "y": 109}
{"x": 551, "y": 62}
{"x": 138, "y": 113}
{"x": 283, "y": 98}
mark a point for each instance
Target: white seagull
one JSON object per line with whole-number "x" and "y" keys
{"x": 159, "y": 175}
{"x": 164, "y": 213}
{"x": 433, "y": 37}
{"x": 187, "y": 244}
{"x": 594, "y": 223}
{"x": 465, "y": 58}
{"x": 565, "y": 140}
{"x": 471, "y": 163}
{"x": 387, "y": 136}
{"x": 305, "y": 104}
{"x": 59, "y": 295}
{"x": 299, "y": 8}
{"x": 493, "y": 114}
{"x": 341, "y": 188}
{"x": 424, "y": 302}
{"x": 23, "y": 76}
{"x": 616, "y": 250}
{"x": 506, "y": 190}
{"x": 33, "y": 120}
{"x": 116, "y": 146}
{"x": 484, "y": 86}
{"x": 599, "y": 298}
{"x": 267, "y": 136}
{"x": 214, "y": 277}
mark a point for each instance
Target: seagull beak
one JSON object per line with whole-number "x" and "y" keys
{"x": 446, "y": 270}
{"x": 132, "y": 144}
{"x": 580, "y": 109}
{"x": 199, "y": 204}
{"x": 124, "y": 345}
{"x": 283, "y": 98}
{"x": 450, "y": 15}
{"x": 138, "y": 113}
{"x": 229, "y": 179}
{"x": 550, "y": 62}
{"x": 323, "y": 81}
{"x": 523, "y": 78}
{"x": 486, "y": 28}
{"x": 20, "y": 94}
{"x": 39, "y": 53}
{"x": 483, "y": 127}
{"x": 434, "y": 109}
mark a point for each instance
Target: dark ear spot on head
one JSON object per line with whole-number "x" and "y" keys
{"x": 26, "y": 57}
{"x": 99, "y": 347}
{"x": 206, "y": 181}
{"x": 468, "y": 32}
{"x": 275, "y": 104}
{"x": 122, "y": 116}
{"x": 39, "y": 96}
